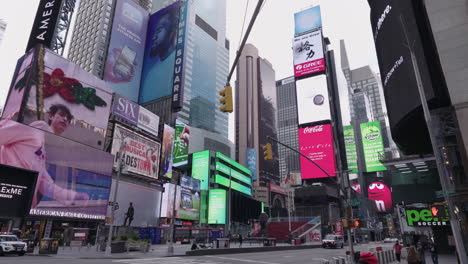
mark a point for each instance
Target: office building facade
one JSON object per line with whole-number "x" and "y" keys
{"x": 3, "y": 26}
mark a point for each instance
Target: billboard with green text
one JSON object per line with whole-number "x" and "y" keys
{"x": 217, "y": 206}
{"x": 372, "y": 145}
{"x": 350, "y": 147}
{"x": 201, "y": 168}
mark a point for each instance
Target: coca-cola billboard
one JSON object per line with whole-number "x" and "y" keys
{"x": 316, "y": 143}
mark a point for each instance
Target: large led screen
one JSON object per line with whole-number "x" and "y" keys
{"x": 372, "y": 145}
{"x": 379, "y": 190}
{"x": 124, "y": 62}
{"x": 217, "y": 206}
{"x": 312, "y": 100}
{"x": 308, "y": 54}
{"x": 160, "y": 54}
{"x": 317, "y": 144}
{"x": 166, "y": 151}
{"x": 72, "y": 102}
{"x": 73, "y": 179}
{"x": 350, "y": 147}
{"x": 201, "y": 168}
{"x": 141, "y": 155}
{"x": 181, "y": 144}
{"x": 16, "y": 191}
{"x": 307, "y": 20}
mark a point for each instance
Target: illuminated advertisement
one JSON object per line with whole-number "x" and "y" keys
{"x": 350, "y": 147}
{"x": 141, "y": 155}
{"x": 45, "y": 23}
{"x": 233, "y": 163}
{"x": 189, "y": 183}
{"x": 233, "y": 185}
{"x": 166, "y": 152}
{"x": 372, "y": 145}
{"x": 189, "y": 208}
{"x": 217, "y": 206}
{"x": 308, "y": 54}
{"x": 201, "y": 168}
{"x": 181, "y": 144}
{"x": 160, "y": 54}
{"x": 70, "y": 102}
{"x": 167, "y": 205}
{"x": 307, "y": 20}
{"x": 178, "y": 77}
{"x": 16, "y": 191}
{"x": 312, "y": 100}
{"x": 425, "y": 217}
{"x": 317, "y": 144}
{"x": 72, "y": 184}
{"x": 252, "y": 162}
{"x": 124, "y": 62}
{"x": 379, "y": 190}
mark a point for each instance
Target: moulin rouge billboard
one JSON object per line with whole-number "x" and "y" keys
{"x": 316, "y": 143}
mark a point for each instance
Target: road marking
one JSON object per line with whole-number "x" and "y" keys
{"x": 171, "y": 260}
{"x": 245, "y": 260}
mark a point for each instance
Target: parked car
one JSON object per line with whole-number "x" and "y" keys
{"x": 10, "y": 244}
{"x": 333, "y": 241}
{"x": 390, "y": 240}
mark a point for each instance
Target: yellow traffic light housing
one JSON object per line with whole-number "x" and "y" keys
{"x": 226, "y": 99}
{"x": 268, "y": 152}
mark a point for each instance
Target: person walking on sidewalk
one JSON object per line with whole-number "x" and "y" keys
{"x": 434, "y": 254}
{"x": 421, "y": 252}
{"x": 413, "y": 256}
{"x": 240, "y": 240}
{"x": 397, "y": 248}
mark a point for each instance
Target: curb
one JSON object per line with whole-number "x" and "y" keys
{"x": 202, "y": 252}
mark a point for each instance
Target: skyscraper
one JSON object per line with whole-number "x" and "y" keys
{"x": 3, "y": 25}
{"x": 287, "y": 126}
{"x": 256, "y": 117}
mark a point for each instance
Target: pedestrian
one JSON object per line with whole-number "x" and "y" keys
{"x": 413, "y": 256}
{"x": 421, "y": 252}
{"x": 434, "y": 254}
{"x": 240, "y": 240}
{"x": 397, "y": 248}
{"x": 368, "y": 258}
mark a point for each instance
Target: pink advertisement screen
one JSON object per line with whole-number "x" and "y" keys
{"x": 316, "y": 143}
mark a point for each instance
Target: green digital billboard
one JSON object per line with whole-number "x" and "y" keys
{"x": 233, "y": 163}
{"x": 234, "y": 185}
{"x": 234, "y": 173}
{"x": 201, "y": 168}
{"x": 350, "y": 147}
{"x": 181, "y": 144}
{"x": 217, "y": 206}
{"x": 372, "y": 145}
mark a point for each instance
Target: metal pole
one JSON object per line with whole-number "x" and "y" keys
{"x": 440, "y": 167}
{"x": 119, "y": 172}
{"x": 170, "y": 248}
{"x": 229, "y": 205}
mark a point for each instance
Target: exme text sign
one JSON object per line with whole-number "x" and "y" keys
{"x": 424, "y": 217}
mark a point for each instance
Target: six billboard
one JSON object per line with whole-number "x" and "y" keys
{"x": 141, "y": 155}
{"x": 72, "y": 184}
{"x": 160, "y": 54}
{"x": 166, "y": 152}
{"x": 316, "y": 143}
{"x": 308, "y": 54}
{"x": 307, "y": 20}
{"x": 181, "y": 144}
{"x": 124, "y": 62}
{"x": 372, "y": 144}
{"x": 312, "y": 100}
{"x": 350, "y": 147}
{"x": 73, "y": 102}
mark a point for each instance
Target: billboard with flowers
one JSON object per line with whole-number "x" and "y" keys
{"x": 72, "y": 102}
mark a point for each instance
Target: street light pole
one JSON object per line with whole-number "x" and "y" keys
{"x": 170, "y": 248}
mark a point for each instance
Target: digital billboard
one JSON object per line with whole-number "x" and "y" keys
{"x": 233, "y": 163}
{"x": 178, "y": 77}
{"x": 160, "y": 54}
{"x": 124, "y": 62}
{"x": 16, "y": 191}
{"x": 308, "y": 54}
{"x": 45, "y": 23}
{"x": 316, "y": 143}
{"x": 141, "y": 155}
{"x": 189, "y": 183}
{"x": 232, "y": 184}
{"x": 167, "y": 205}
{"x": 372, "y": 145}
{"x": 189, "y": 208}
{"x": 307, "y": 20}
{"x": 312, "y": 100}
{"x": 381, "y": 194}
{"x": 217, "y": 206}
{"x": 135, "y": 115}
{"x": 166, "y": 152}
{"x": 72, "y": 184}
{"x": 251, "y": 156}
{"x": 424, "y": 217}
{"x": 181, "y": 144}
{"x": 71, "y": 102}
{"x": 201, "y": 168}
{"x": 350, "y": 147}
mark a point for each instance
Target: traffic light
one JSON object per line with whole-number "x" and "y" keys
{"x": 345, "y": 223}
{"x": 356, "y": 223}
{"x": 226, "y": 99}
{"x": 268, "y": 152}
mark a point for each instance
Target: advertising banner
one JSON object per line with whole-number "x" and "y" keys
{"x": 350, "y": 147}
{"x": 217, "y": 206}
{"x": 138, "y": 205}
{"x": 124, "y": 62}
{"x": 16, "y": 191}
{"x": 167, "y": 209}
{"x": 295, "y": 178}
{"x": 72, "y": 184}
{"x": 313, "y": 103}
{"x": 379, "y": 190}
{"x": 72, "y": 102}
{"x": 190, "y": 183}
{"x": 372, "y": 145}
{"x": 45, "y": 23}
{"x": 252, "y": 162}
{"x": 160, "y": 53}
{"x": 424, "y": 217}
{"x": 189, "y": 208}
{"x": 307, "y": 20}
{"x": 308, "y": 54}
{"x": 178, "y": 78}
{"x": 141, "y": 154}
{"x": 166, "y": 152}
{"x": 181, "y": 144}
{"x": 277, "y": 189}
{"x": 135, "y": 114}
{"x": 201, "y": 168}
{"x": 317, "y": 144}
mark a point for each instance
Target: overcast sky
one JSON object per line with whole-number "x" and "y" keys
{"x": 272, "y": 33}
